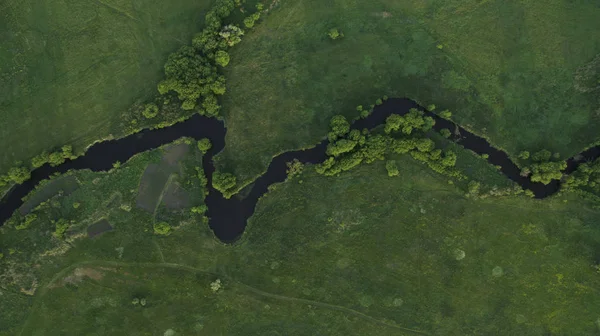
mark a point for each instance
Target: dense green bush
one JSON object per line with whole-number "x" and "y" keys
{"x": 354, "y": 147}
{"x": 251, "y": 20}
{"x": 18, "y": 175}
{"x": 524, "y": 155}
{"x": 222, "y": 58}
{"x": 191, "y": 76}
{"x": 341, "y": 146}
{"x": 200, "y": 210}
{"x": 162, "y": 228}
{"x": 60, "y": 228}
{"x": 150, "y": 111}
{"x": 587, "y": 175}
{"x": 542, "y": 169}
{"x": 446, "y": 114}
{"x": 294, "y": 168}
{"x": 392, "y": 168}
{"x": 414, "y": 119}
{"x": 204, "y": 145}
{"x": 224, "y": 182}
{"x": 335, "y": 34}
{"x": 40, "y": 160}
{"x": 339, "y": 127}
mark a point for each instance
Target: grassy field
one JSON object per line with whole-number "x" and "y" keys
{"x": 33, "y": 256}
{"x": 69, "y": 70}
{"x": 414, "y": 251}
{"x": 506, "y": 70}
{"x": 360, "y": 254}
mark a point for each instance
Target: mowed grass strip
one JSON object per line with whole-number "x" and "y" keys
{"x": 71, "y": 69}
{"x": 506, "y": 70}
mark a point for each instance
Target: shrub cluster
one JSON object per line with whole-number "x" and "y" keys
{"x": 587, "y": 176}
{"x": 403, "y": 135}
{"x": 543, "y": 169}
{"x": 192, "y": 71}
{"x": 20, "y": 174}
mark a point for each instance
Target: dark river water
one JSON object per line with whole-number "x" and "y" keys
{"x": 228, "y": 217}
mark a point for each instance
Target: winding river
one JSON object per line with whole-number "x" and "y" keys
{"x": 228, "y": 217}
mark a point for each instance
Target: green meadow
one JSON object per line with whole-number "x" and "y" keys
{"x": 436, "y": 241}
{"x": 358, "y": 254}
{"x": 522, "y": 74}
{"x": 70, "y": 70}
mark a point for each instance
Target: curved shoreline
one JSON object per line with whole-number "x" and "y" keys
{"x": 228, "y": 217}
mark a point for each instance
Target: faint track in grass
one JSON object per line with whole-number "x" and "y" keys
{"x": 328, "y": 306}
{"x": 224, "y": 275}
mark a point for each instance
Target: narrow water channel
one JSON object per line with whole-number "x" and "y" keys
{"x": 228, "y": 217}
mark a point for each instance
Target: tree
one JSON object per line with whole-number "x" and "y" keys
{"x": 414, "y": 119}
{"x": 162, "y": 228}
{"x": 224, "y": 182}
{"x": 392, "y": 168}
{"x": 251, "y": 20}
{"x": 545, "y": 172}
{"x": 425, "y": 145}
{"x": 201, "y": 209}
{"x": 335, "y": 34}
{"x": 231, "y": 34}
{"x": 216, "y": 285}
{"x": 19, "y": 174}
{"x": 339, "y": 127}
{"x": 340, "y": 147}
{"x": 445, "y": 132}
{"x": 449, "y": 159}
{"x": 40, "y": 160}
{"x": 524, "y": 155}
{"x": 431, "y": 107}
{"x": 190, "y": 75}
{"x": 28, "y": 220}
{"x": 542, "y": 156}
{"x": 60, "y": 228}
{"x": 150, "y": 111}
{"x": 204, "y": 145}
{"x": 294, "y": 168}
{"x": 446, "y": 114}
{"x": 210, "y": 106}
{"x": 375, "y": 148}
{"x": 222, "y": 58}
{"x": 325, "y": 166}
{"x": 56, "y": 159}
